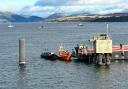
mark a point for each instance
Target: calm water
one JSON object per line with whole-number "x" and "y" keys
{"x": 44, "y": 74}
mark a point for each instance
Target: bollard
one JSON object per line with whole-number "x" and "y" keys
{"x": 22, "y": 51}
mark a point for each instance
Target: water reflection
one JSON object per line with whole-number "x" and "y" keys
{"x": 102, "y": 71}
{"x": 21, "y": 83}
{"x": 103, "y": 78}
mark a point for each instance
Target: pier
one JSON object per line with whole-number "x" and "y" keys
{"x": 102, "y": 52}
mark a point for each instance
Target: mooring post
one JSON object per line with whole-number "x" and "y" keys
{"x": 21, "y": 51}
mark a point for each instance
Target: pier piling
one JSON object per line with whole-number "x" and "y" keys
{"x": 21, "y": 51}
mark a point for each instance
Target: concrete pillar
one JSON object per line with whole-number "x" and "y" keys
{"x": 100, "y": 59}
{"x": 108, "y": 58}
{"x": 21, "y": 51}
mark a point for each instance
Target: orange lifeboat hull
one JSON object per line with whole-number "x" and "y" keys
{"x": 65, "y": 56}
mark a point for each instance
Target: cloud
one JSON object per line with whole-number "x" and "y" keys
{"x": 45, "y": 8}
{"x": 50, "y": 2}
{"x": 123, "y": 5}
{"x": 110, "y": 11}
{"x": 48, "y": 10}
{"x": 74, "y": 2}
{"x": 14, "y": 5}
{"x": 38, "y": 10}
{"x": 10, "y": 8}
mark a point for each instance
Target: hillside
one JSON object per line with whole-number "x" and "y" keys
{"x": 77, "y": 18}
{"x": 115, "y": 17}
{"x": 10, "y": 17}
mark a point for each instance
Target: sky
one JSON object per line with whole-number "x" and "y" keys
{"x": 44, "y": 8}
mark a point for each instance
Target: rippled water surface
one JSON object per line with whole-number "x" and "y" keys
{"x": 45, "y": 74}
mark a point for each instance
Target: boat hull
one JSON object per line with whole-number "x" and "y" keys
{"x": 64, "y": 55}
{"x": 49, "y": 56}
{"x": 65, "y": 58}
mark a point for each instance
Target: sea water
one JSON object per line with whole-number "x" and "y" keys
{"x": 45, "y": 74}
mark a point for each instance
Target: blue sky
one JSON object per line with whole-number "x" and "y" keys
{"x": 45, "y": 8}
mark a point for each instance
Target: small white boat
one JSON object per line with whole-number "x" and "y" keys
{"x": 10, "y": 26}
{"x": 80, "y": 24}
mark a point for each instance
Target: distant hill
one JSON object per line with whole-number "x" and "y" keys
{"x": 61, "y": 17}
{"x": 56, "y": 15}
{"x": 114, "y": 17}
{"x": 76, "y": 18}
{"x": 34, "y": 19}
{"x": 81, "y": 14}
{"x": 10, "y": 17}
{"x": 117, "y": 14}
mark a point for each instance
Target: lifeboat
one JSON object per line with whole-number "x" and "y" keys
{"x": 63, "y": 54}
